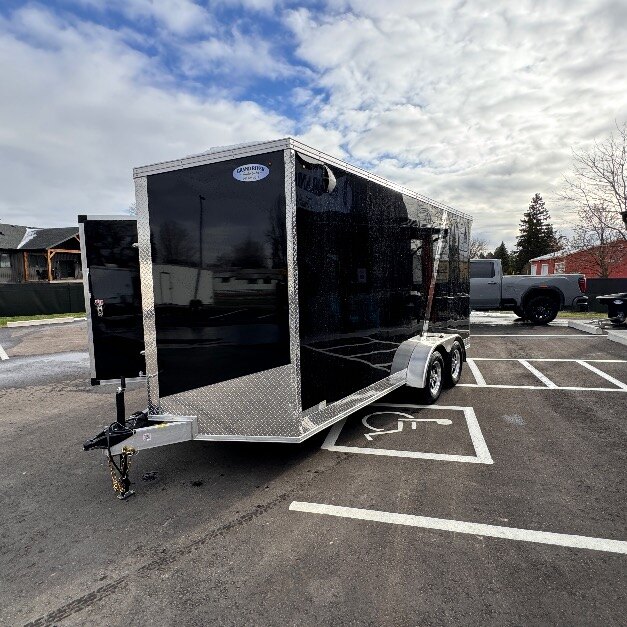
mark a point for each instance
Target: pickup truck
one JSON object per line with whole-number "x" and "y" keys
{"x": 534, "y": 298}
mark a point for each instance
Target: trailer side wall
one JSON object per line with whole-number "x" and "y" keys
{"x": 366, "y": 259}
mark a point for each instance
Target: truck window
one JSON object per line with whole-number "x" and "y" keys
{"x": 481, "y": 270}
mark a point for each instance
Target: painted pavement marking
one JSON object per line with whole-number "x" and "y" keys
{"x": 476, "y": 373}
{"x": 538, "y": 374}
{"x": 596, "y": 361}
{"x": 538, "y": 387}
{"x": 540, "y": 336}
{"x": 460, "y": 526}
{"x": 482, "y": 454}
{"x": 548, "y": 384}
{"x": 3, "y": 354}
{"x": 606, "y": 376}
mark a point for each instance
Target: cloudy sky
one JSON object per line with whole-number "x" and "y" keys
{"x": 474, "y": 103}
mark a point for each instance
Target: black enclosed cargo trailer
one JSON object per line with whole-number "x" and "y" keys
{"x": 283, "y": 289}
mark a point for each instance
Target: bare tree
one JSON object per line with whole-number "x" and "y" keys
{"x": 478, "y": 246}
{"x": 597, "y": 192}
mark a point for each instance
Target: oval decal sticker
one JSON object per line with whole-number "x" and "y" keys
{"x": 250, "y": 172}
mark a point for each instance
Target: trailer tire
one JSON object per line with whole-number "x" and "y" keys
{"x": 454, "y": 365}
{"x": 434, "y": 378}
{"x": 541, "y": 309}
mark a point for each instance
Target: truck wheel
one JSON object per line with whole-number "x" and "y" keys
{"x": 519, "y": 312}
{"x": 541, "y": 309}
{"x": 434, "y": 378}
{"x": 453, "y": 373}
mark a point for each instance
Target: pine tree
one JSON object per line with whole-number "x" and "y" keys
{"x": 501, "y": 252}
{"x": 537, "y": 236}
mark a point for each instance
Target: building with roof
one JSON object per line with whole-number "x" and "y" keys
{"x": 29, "y": 254}
{"x": 588, "y": 261}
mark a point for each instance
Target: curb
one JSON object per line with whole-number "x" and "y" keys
{"x": 586, "y": 327}
{"x": 36, "y": 323}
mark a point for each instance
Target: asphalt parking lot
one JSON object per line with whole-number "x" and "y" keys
{"x": 502, "y": 505}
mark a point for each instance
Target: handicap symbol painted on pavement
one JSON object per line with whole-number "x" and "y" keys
{"x": 401, "y": 422}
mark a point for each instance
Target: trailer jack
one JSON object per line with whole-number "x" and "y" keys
{"x": 113, "y": 435}
{"x": 120, "y": 473}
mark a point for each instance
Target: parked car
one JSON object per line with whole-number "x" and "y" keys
{"x": 534, "y": 298}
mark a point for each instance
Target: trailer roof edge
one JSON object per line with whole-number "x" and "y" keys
{"x": 254, "y": 148}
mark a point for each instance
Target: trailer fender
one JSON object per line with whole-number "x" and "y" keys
{"x": 413, "y": 356}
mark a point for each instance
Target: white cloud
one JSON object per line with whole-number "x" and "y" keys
{"x": 235, "y": 55}
{"x": 476, "y": 104}
{"x": 178, "y": 17}
{"x": 263, "y": 6}
{"x": 80, "y": 109}
{"x": 473, "y": 103}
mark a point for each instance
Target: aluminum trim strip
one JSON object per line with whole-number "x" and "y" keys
{"x": 292, "y": 273}
{"x": 148, "y": 296}
{"x": 87, "y": 295}
{"x": 212, "y": 157}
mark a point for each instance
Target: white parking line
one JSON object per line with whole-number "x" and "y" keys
{"x": 459, "y": 526}
{"x": 596, "y": 361}
{"x": 538, "y": 387}
{"x": 606, "y": 376}
{"x": 540, "y": 336}
{"x": 537, "y": 373}
{"x": 3, "y": 354}
{"x": 475, "y": 372}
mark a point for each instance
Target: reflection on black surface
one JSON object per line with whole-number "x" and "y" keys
{"x": 219, "y": 273}
{"x": 365, "y": 260}
{"x": 117, "y": 325}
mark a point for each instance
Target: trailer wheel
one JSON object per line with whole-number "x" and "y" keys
{"x": 541, "y": 309}
{"x": 434, "y": 378}
{"x": 453, "y": 373}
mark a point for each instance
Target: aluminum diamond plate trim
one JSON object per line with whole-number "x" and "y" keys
{"x": 148, "y": 298}
{"x": 257, "y": 405}
{"x": 317, "y": 419}
{"x": 292, "y": 272}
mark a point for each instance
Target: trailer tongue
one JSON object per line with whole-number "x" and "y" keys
{"x": 281, "y": 290}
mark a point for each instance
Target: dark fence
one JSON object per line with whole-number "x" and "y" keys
{"x": 27, "y": 299}
{"x": 599, "y": 287}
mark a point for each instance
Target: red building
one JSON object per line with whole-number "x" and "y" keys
{"x": 588, "y": 261}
